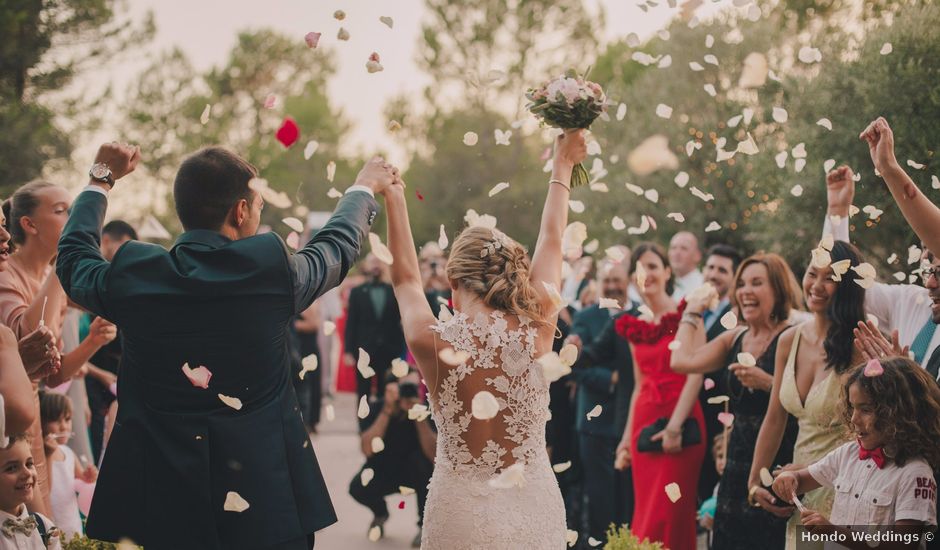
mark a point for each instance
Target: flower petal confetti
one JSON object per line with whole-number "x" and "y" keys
{"x": 553, "y": 367}
{"x": 333, "y": 193}
{"x": 571, "y": 537}
{"x": 502, "y": 136}
{"x": 232, "y": 402}
{"x": 234, "y": 502}
{"x": 796, "y": 190}
{"x": 674, "y": 345}
{"x": 294, "y": 224}
{"x": 558, "y": 303}
{"x": 453, "y": 357}
{"x": 708, "y": 384}
{"x": 288, "y": 133}
{"x": 373, "y": 65}
{"x": 726, "y": 419}
{"x": 418, "y": 412}
{"x": 308, "y": 364}
{"x": 311, "y": 148}
{"x": 729, "y": 320}
{"x": 204, "y": 117}
{"x": 621, "y": 111}
{"x": 663, "y": 111}
{"x": 484, "y": 406}
{"x": 617, "y": 223}
{"x": 367, "y": 475}
{"x": 873, "y": 368}
{"x": 595, "y": 412}
{"x": 609, "y": 303}
{"x": 825, "y": 123}
{"x": 780, "y": 115}
{"x": 342, "y": 34}
{"x": 362, "y": 364}
{"x": 673, "y": 492}
{"x": 498, "y": 187}
{"x": 513, "y": 476}
{"x": 378, "y": 445}
{"x": 747, "y": 359}
{"x": 400, "y": 368}
{"x": 442, "y": 239}
{"x": 198, "y": 377}
{"x": 766, "y": 478}
{"x": 339, "y": 15}
{"x": 754, "y": 74}
{"x": 363, "y": 411}
{"x": 380, "y": 250}
{"x": 886, "y": 48}
{"x": 559, "y": 468}
{"x": 576, "y": 206}
{"x": 387, "y": 21}
{"x": 809, "y": 54}
{"x": 718, "y": 400}
{"x": 470, "y": 139}
{"x": 678, "y": 216}
{"x": 312, "y": 39}
{"x": 713, "y": 226}
{"x": 375, "y": 533}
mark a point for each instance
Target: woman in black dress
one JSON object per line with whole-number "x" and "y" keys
{"x": 764, "y": 293}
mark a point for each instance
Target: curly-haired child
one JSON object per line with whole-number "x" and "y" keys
{"x": 884, "y": 477}
{"x": 20, "y": 529}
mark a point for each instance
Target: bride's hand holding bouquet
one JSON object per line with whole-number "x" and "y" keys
{"x": 568, "y": 102}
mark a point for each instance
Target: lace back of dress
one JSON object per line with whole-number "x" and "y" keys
{"x": 501, "y": 361}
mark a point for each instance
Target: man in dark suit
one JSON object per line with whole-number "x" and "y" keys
{"x": 373, "y": 324}
{"x": 195, "y": 462}
{"x": 596, "y": 373}
{"x": 721, "y": 263}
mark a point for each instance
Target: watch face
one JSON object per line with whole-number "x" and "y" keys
{"x": 100, "y": 171}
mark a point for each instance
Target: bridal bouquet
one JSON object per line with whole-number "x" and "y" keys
{"x": 568, "y": 101}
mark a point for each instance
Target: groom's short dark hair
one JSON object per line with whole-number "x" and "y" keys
{"x": 209, "y": 183}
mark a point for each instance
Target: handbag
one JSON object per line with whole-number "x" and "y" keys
{"x": 691, "y": 435}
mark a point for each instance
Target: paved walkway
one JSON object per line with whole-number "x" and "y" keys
{"x": 337, "y": 448}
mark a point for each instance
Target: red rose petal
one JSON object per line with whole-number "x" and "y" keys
{"x": 419, "y": 195}
{"x": 288, "y": 133}
{"x": 401, "y": 505}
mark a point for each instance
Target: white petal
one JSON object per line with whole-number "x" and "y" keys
{"x": 375, "y": 533}
{"x": 617, "y": 223}
{"x": 718, "y": 400}
{"x": 204, "y": 118}
{"x": 497, "y": 188}
{"x": 608, "y": 303}
{"x": 766, "y": 478}
{"x": 781, "y": 158}
{"x": 310, "y": 149}
{"x": 748, "y": 146}
{"x": 309, "y": 364}
{"x": 233, "y": 402}
{"x": 362, "y": 364}
{"x": 676, "y": 216}
{"x": 797, "y": 190}
{"x": 595, "y": 412}
{"x": 400, "y": 367}
{"x": 707, "y": 197}
{"x": 746, "y": 359}
{"x": 711, "y": 59}
{"x": 329, "y": 327}
{"x": 780, "y": 115}
{"x": 334, "y": 194}
{"x": 710, "y": 90}
{"x": 799, "y": 152}
{"x": 198, "y": 376}
{"x": 828, "y": 165}
{"x": 621, "y": 111}
{"x": 367, "y": 475}
{"x": 558, "y": 303}
{"x": 363, "y": 410}
{"x": 886, "y": 48}
{"x": 442, "y": 239}
{"x": 729, "y": 320}
{"x": 651, "y": 195}
{"x": 673, "y": 492}
{"x": 799, "y": 164}
{"x": 734, "y": 121}
{"x": 593, "y": 148}
{"x": 553, "y": 367}
{"x": 825, "y": 123}
{"x": 559, "y": 468}
{"x": 696, "y": 66}
{"x": 682, "y": 179}
{"x": 470, "y": 139}
{"x": 754, "y": 74}
{"x": 378, "y": 445}
{"x": 571, "y": 537}
{"x": 713, "y": 226}
{"x": 380, "y": 250}
{"x": 452, "y": 357}
{"x": 663, "y": 111}
{"x": 234, "y": 502}
{"x": 330, "y": 171}
{"x": 568, "y": 354}
{"x": 294, "y": 224}
{"x": 576, "y": 206}
{"x": 513, "y": 476}
{"x": 484, "y": 406}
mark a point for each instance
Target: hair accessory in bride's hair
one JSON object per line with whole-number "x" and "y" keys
{"x": 499, "y": 241}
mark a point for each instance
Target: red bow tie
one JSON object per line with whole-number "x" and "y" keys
{"x": 877, "y": 455}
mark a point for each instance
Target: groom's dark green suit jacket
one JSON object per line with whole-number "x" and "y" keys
{"x": 177, "y": 451}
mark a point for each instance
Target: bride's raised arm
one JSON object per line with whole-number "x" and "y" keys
{"x": 416, "y": 314}
{"x": 570, "y": 149}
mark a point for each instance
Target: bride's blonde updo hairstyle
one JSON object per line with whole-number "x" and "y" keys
{"x": 496, "y": 268}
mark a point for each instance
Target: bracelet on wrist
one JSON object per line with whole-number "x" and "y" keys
{"x": 559, "y": 182}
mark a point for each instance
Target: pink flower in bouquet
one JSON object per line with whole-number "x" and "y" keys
{"x": 569, "y": 89}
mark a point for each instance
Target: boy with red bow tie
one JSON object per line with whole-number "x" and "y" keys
{"x": 884, "y": 477}
{"x": 20, "y": 529}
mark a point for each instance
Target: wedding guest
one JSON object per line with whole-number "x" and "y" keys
{"x": 684, "y": 257}
{"x": 665, "y": 401}
{"x": 15, "y": 388}
{"x": 374, "y": 325}
{"x": 597, "y": 388}
{"x": 721, "y": 263}
{"x": 31, "y": 296}
{"x": 922, "y": 215}
{"x": 811, "y": 360}
{"x": 309, "y": 388}
{"x": 765, "y": 291}
{"x": 911, "y": 310}
{"x": 407, "y": 459}
{"x": 56, "y": 410}
{"x": 885, "y": 476}
{"x": 21, "y": 529}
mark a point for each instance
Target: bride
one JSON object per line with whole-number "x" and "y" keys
{"x": 493, "y": 485}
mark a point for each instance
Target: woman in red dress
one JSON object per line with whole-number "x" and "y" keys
{"x": 660, "y": 393}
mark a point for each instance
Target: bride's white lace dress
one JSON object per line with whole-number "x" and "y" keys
{"x": 473, "y": 501}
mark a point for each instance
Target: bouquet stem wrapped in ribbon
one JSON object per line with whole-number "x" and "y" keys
{"x": 568, "y": 102}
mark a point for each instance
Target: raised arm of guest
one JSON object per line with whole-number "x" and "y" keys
{"x": 695, "y": 355}
{"x": 922, "y": 215}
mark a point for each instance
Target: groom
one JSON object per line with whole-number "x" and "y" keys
{"x": 180, "y": 459}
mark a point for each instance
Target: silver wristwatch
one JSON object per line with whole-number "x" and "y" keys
{"x": 100, "y": 172}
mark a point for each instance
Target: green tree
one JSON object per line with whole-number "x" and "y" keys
{"x": 46, "y": 43}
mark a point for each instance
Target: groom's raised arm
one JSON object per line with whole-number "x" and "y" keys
{"x": 324, "y": 261}
{"x": 81, "y": 269}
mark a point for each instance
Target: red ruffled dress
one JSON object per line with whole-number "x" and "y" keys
{"x": 655, "y": 516}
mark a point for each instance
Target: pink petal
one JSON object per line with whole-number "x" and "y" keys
{"x": 293, "y": 240}
{"x": 288, "y": 133}
{"x": 725, "y": 418}
{"x": 874, "y": 368}
{"x": 401, "y": 505}
{"x": 198, "y": 376}
{"x": 312, "y": 39}
{"x": 709, "y": 384}
{"x": 374, "y": 57}
{"x": 270, "y": 101}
